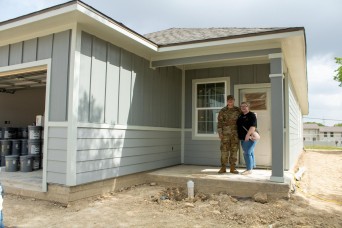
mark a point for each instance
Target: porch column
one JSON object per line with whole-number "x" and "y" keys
{"x": 277, "y": 117}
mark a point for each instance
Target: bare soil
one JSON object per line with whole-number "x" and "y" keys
{"x": 317, "y": 202}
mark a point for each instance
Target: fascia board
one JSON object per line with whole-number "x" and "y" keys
{"x": 230, "y": 41}
{"x": 116, "y": 27}
{"x": 38, "y": 17}
{"x": 80, "y": 9}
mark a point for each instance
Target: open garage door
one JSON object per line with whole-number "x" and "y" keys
{"x": 22, "y": 99}
{"x": 10, "y": 82}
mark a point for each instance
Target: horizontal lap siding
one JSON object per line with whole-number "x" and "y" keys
{"x": 57, "y": 155}
{"x": 107, "y": 153}
{"x": 295, "y": 129}
{"x": 201, "y": 152}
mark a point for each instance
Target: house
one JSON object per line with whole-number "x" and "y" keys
{"x": 117, "y": 103}
{"x": 322, "y": 135}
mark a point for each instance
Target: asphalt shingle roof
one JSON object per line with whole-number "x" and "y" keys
{"x": 188, "y": 35}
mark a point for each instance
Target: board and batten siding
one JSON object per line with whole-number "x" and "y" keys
{"x": 207, "y": 152}
{"x": 55, "y": 46}
{"x": 119, "y": 88}
{"x": 295, "y": 130}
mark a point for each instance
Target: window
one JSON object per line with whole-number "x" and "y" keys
{"x": 331, "y": 134}
{"x": 325, "y": 134}
{"x": 209, "y": 96}
{"x": 258, "y": 101}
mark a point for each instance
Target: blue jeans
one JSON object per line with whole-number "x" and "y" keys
{"x": 248, "y": 153}
{"x": 1, "y": 222}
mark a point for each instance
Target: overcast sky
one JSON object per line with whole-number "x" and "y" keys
{"x": 321, "y": 20}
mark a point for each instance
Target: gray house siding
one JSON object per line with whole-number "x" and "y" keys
{"x": 119, "y": 88}
{"x": 295, "y": 128}
{"x": 207, "y": 152}
{"x": 57, "y": 48}
{"x": 107, "y": 153}
{"x": 57, "y": 155}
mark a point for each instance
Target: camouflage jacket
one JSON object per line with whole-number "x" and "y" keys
{"x": 226, "y": 120}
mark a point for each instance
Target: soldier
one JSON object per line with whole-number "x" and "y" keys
{"x": 227, "y": 130}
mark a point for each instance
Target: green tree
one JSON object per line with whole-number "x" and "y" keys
{"x": 319, "y": 124}
{"x": 338, "y": 125}
{"x": 338, "y": 76}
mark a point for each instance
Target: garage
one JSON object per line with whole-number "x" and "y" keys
{"x": 22, "y": 99}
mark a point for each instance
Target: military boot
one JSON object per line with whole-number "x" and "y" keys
{"x": 233, "y": 170}
{"x": 223, "y": 169}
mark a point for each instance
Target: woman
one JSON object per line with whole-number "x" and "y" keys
{"x": 247, "y": 124}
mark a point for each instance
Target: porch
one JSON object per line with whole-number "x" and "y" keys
{"x": 206, "y": 180}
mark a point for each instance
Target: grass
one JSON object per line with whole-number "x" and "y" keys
{"x": 323, "y": 147}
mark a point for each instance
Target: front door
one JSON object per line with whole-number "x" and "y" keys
{"x": 259, "y": 99}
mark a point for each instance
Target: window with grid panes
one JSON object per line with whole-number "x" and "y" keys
{"x": 210, "y": 97}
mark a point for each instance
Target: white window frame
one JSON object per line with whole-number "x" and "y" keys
{"x": 195, "y": 82}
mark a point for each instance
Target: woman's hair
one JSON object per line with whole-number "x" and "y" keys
{"x": 245, "y": 103}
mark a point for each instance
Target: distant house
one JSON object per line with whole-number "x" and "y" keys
{"x": 322, "y": 135}
{"x": 119, "y": 103}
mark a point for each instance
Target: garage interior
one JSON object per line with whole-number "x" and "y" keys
{"x": 22, "y": 98}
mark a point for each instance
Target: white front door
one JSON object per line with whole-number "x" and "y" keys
{"x": 259, "y": 99}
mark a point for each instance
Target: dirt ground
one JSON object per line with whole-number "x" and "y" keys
{"x": 317, "y": 202}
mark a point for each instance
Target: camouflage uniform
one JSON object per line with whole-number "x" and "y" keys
{"x": 227, "y": 127}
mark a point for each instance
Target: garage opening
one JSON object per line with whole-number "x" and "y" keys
{"x": 22, "y": 101}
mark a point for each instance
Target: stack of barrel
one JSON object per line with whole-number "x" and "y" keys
{"x": 22, "y": 144}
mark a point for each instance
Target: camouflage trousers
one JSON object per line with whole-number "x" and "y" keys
{"x": 229, "y": 147}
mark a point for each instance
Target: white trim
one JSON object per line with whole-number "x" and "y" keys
{"x": 38, "y": 34}
{"x": 275, "y": 56}
{"x": 286, "y": 123}
{"x": 125, "y": 127}
{"x": 276, "y": 75}
{"x": 183, "y": 118}
{"x": 277, "y": 179}
{"x": 31, "y": 66}
{"x": 122, "y": 30}
{"x": 74, "y": 72}
{"x": 196, "y": 136}
{"x": 231, "y": 41}
{"x": 38, "y": 17}
{"x": 25, "y": 67}
{"x": 56, "y": 124}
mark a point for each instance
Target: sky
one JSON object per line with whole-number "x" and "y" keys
{"x": 321, "y": 20}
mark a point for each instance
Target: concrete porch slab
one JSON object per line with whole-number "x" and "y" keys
{"x": 206, "y": 180}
